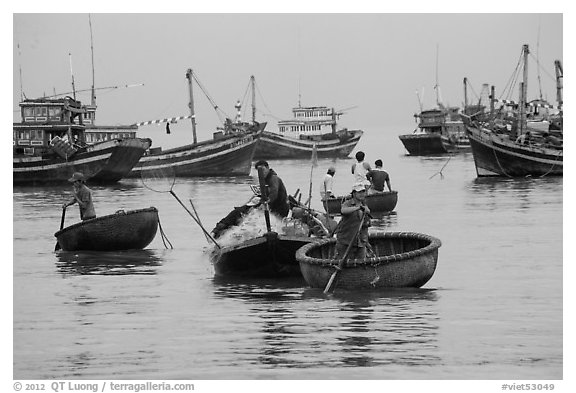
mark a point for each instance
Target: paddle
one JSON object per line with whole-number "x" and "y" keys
{"x": 57, "y": 246}
{"x": 264, "y": 196}
{"x": 341, "y": 262}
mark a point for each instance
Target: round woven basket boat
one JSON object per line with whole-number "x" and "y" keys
{"x": 402, "y": 259}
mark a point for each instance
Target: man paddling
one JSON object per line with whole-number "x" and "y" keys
{"x": 353, "y": 228}
{"x": 81, "y": 195}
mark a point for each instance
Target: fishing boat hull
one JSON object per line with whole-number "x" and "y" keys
{"x": 105, "y": 162}
{"x": 421, "y": 144}
{"x": 268, "y": 256}
{"x": 377, "y": 203}
{"x": 274, "y": 145}
{"x": 403, "y": 260}
{"x": 497, "y": 155}
{"x": 131, "y": 230}
{"x": 230, "y": 155}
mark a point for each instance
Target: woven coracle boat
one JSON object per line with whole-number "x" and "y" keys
{"x": 123, "y": 230}
{"x": 402, "y": 259}
{"x": 383, "y": 202}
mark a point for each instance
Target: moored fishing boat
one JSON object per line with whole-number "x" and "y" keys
{"x": 229, "y": 153}
{"x": 311, "y": 127}
{"x": 381, "y": 202}
{"x": 401, "y": 259}
{"x": 439, "y": 131}
{"x": 49, "y": 144}
{"x": 123, "y": 230}
{"x": 512, "y": 142}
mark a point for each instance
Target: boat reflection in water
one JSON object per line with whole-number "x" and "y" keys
{"x": 359, "y": 328}
{"x": 111, "y": 263}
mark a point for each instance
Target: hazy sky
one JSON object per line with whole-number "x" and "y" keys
{"x": 375, "y": 62}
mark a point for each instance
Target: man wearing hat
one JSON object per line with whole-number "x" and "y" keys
{"x": 82, "y": 195}
{"x": 354, "y": 212}
{"x": 327, "y": 184}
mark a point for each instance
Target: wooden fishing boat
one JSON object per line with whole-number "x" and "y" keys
{"x": 49, "y": 145}
{"x": 377, "y": 203}
{"x": 271, "y": 255}
{"x": 123, "y": 230}
{"x": 401, "y": 259}
{"x": 310, "y": 126}
{"x": 229, "y": 153}
{"x": 508, "y": 144}
{"x": 440, "y": 131}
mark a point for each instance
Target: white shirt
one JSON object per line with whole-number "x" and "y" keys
{"x": 359, "y": 170}
{"x": 326, "y": 186}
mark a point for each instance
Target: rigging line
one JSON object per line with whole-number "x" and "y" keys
{"x": 511, "y": 84}
{"x": 264, "y": 103}
{"x": 540, "y": 67}
{"x": 216, "y": 107}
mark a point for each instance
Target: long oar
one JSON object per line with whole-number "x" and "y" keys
{"x": 341, "y": 262}
{"x": 163, "y": 180}
{"x": 57, "y": 246}
{"x": 198, "y": 217}
{"x": 264, "y": 196}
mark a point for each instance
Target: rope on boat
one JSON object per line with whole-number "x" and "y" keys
{"x": 552, "y": 167}
{"x": 164, "y": 237}
{"x": 500, "y": 165}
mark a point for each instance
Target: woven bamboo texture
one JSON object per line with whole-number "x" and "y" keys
{"x": 133, "y": 229}
{"x": 403, "y": 259}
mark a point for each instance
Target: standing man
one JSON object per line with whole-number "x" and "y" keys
{"x": 360, "y": 170}
{"x": 81, "y": 195}
{"x": 327, "y": 185}
{"x": 378, "y": 177}
{"x": 355, "y": 214}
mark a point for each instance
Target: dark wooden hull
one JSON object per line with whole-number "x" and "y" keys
{"x": 226, "y": 156}
{"x": 423, "y": 144}
{"x": 105, "y": 162}
{"x": 131, "y": 230}
{"x": 273, "y": 145}
{"x": 377, "y": 203}
{"x": 496, "y": 155}
{"x": 268, "y": 256}
{"x": 403, "y": 260}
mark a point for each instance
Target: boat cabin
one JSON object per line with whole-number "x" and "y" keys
{"x": 49, "y": 125}
{"x": 95, "y": 133}
{"x": 309, "y": 121}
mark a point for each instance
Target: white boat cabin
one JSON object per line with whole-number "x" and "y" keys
{"x": 308, "y": 121}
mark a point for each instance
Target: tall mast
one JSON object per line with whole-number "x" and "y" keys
{"x": 523, "y": 91}
{"x": 72, "y": 73}
{"x": 465, "y": 94}
{"x": 253, "y": 83}
{"x": 559, "y": 83}
{"x": 93, "y": 101}
{"x": 20, "y": 71}
{"x": 191, "y": 104}
{"x": 437, "y": 87}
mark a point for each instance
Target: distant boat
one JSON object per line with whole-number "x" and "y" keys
{"x": 229, "y": 153}
{"x": 400, "y": 260}
{"x": 130, "y": 230}
{"x": 439, "y": 131}
{"x": 49, "y": 144}
{"x": 514, "y": 142}
{"x": 311, "y": 126}
{"x": 383, "y": 202}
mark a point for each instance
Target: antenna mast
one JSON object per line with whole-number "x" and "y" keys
{"x": 72, "y": 73}
{"x": 20, "y": 71}
{"x": 93, "y": 101}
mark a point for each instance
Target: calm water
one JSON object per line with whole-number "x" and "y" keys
{"x": 493, "y": 309}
